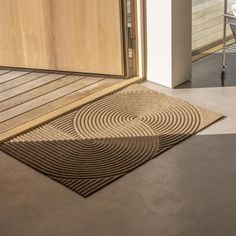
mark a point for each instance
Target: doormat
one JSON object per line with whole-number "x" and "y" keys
{"x": 104, "y": 140}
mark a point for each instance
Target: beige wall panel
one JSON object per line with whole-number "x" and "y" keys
{"x": 71, "y": 35}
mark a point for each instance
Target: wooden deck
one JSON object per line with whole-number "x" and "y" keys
{"x": 207, "y": 23}
{"x": 29, "y": 98}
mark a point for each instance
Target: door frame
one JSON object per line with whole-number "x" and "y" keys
{"x": 138, "y": 38}
{"x": 141, "y": 35}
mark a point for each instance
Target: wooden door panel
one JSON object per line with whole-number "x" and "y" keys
{"x": 24, "y": 41}
{"x": 70, "y": 35}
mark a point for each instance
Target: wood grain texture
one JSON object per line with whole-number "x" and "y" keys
{"x": 11, "y": 75}
{"x": 69, "y": 35}
{"x": 3, "y": 72}
{"x": 28, "y": 86}
{"x": 37, "y": 92}
{"x": 21, "y": 80}
{"x": 207, "y": 23}
{"x": 38, "y": 97}
{"x": 45, "y": 99}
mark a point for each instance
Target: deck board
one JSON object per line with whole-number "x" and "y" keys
{"x": 28, "y": 86}
{"x": 19, "y": 81}
{"x": 3, "y": 72}
{"x": 207, "y": 23}
{"x": 12, "y": 75}
{"x": 30, "y": 98}
{"x": 46, "y": 98}
{"x": 36, "y": 92}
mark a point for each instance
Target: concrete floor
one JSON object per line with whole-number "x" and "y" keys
{"x": 187, "y": 191}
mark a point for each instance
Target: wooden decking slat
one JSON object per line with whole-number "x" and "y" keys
{"x": 28, "y": 86}
{"x": 19, "y": 81}
{"x": 37, "y": 92}
{"x": 3, "y": 72}
{"x": 29, "y": 98}
{"x": 12, "y": 75}
{"x": 61, "y": 106}
{"x": 47, "y": 98}
{"x": 207, "y": 22}
{"x": 56, "y": 104}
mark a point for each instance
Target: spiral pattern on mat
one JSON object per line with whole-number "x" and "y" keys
{"x": 123, "y": 115}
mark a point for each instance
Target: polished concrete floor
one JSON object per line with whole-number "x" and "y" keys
{"x": 189, "y": 190}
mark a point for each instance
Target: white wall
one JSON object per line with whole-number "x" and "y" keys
{"x": 168, "y": 41}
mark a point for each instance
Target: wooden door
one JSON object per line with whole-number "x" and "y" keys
{"x": 68, "y": 35}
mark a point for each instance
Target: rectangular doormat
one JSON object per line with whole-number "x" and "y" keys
{"x": 104, "y": 140}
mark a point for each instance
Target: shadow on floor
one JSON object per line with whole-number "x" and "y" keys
{"x": 206, "y": 72}
{"x": 187, "y": 191}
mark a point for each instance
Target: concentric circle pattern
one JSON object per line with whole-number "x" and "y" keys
{"x": 104, "y": 140}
